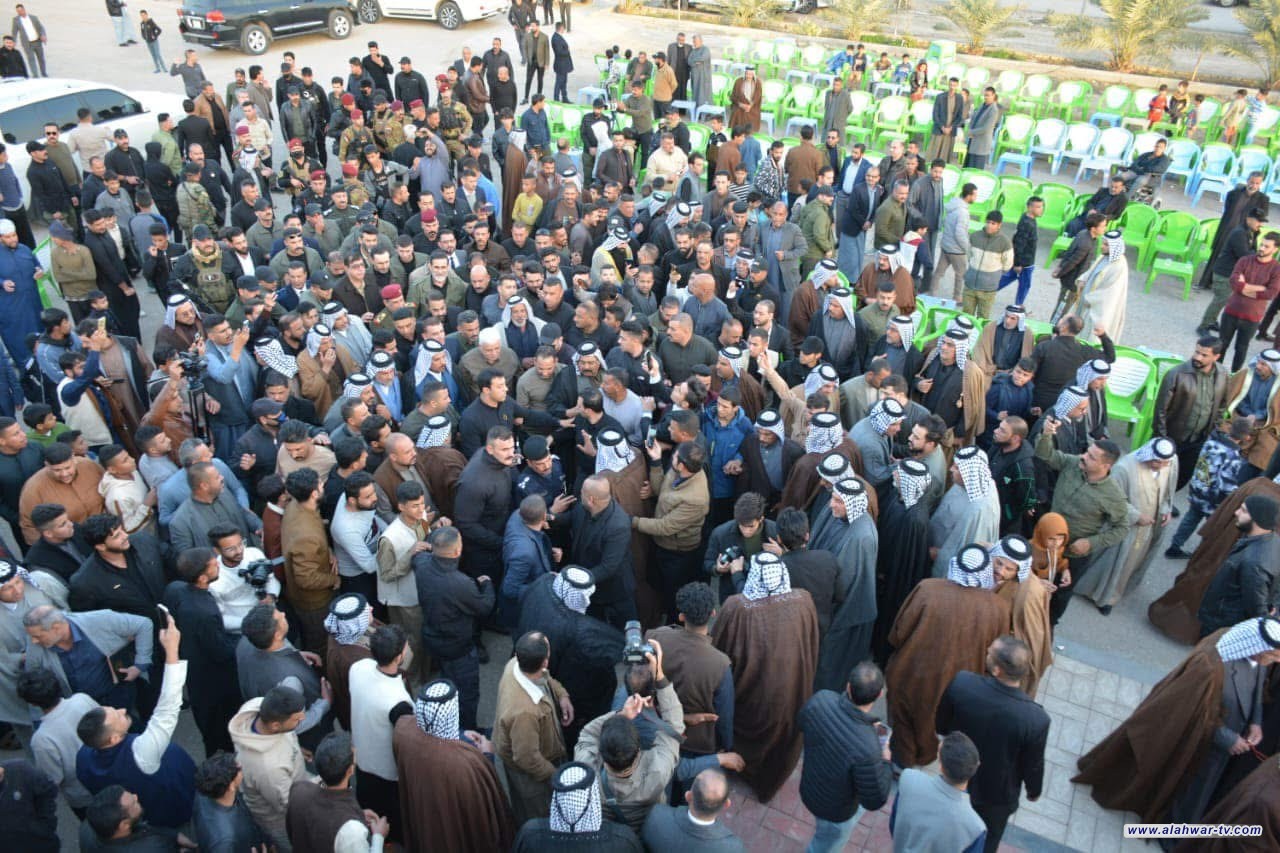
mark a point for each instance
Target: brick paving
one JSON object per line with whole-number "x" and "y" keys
{"x": 1085, "y": 704}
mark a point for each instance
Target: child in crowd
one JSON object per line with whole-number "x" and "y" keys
{"x": 1158, "y": 105}
{"x": 1217, "y": 474}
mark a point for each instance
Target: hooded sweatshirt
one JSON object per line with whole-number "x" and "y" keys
{"x": 271, "y": 764}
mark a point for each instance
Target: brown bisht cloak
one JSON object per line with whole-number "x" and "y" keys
{"x": 337, "y": 668}
{"x": 450, "y": 796}
{"x": 1254, "y": 802}
{"x": 977, "y": 386}
{"x": 1029, "y": 607}
{"x": 942, "y": 629}
{"x": 805, "y": 481}
{"x": 902, "y": 561}
{"x": 513, "y": 168}
{"x": 751, "y": 116}
{"x": 1174, "y": 613}
{"x": 626, "y": 486}
{"x": 904, "y": 288}
{"x": 441, "y": 467}
{"x": 751, "y": 391}
{"x": 1141, "y": 765}
{"x": 773, "y": 645}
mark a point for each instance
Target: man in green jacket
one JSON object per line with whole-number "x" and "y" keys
{"x": 818, "y": 229}
{"x": 170, "y": 154}
{"x": 1094, "y": 506}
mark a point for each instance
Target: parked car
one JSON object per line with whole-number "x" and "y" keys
{"x": 26, "y": 106}
{"x": 252, "y": 25}
{"x": 450, "y": 13}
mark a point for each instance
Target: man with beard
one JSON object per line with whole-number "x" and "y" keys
{"x": 1190, "y": 401}
{"x": 874, "y": 436}
{"x": 114, "y": 276}
{"x": 824, "y": 438}
{"x": 1165, "y": 761}
{"x": 945, "y": 626}
{"x": 1028, "y": 596}
{"x": 584, "y": 649}
{"x": 848, "y": 532}
{"x": 846, "y": 335}
{"x": 768, "y": 457}
{"x": 887, "y": 269}
{"x": 1237, "y": 204}
{"x": 941, "y": 384}
{"x": 601, "y": 540}
{"x": 1014, "y": 473}
{"x": 1058, "y": 359}
{"x": 449, "y": 791}
{"x": 768, "y": 621}
{"x": 969, "y": 512}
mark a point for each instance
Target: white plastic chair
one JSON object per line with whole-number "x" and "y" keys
{"x": 1112, "y": 148}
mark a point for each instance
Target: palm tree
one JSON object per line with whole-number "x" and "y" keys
{"x": 749, "y": 13}
{"x": 1261, "y": 19}
{"x": 859, "y": 16}
{"x": 978, "y": 20}
{"x": 1132, "y": 29}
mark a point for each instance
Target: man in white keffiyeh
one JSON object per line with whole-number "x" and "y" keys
{"x": 1105, "y": 289}
{"x": 822, "y": 379}
{"x": 969, "y": 511}
{"x": 825, "y": 433}
{"x": 270, "y": 354}
{"x": 613, "y": 453}
{"x": 912, "y": 479}
{"x": 824, "y": 271}
{"x": 1072, "y": 403}
{"x": 319, "y": 332}
{"x": 573, "y": 585}
{"x": 971, "y": 567}
{"x": 349, "y": 331}
{"x": 767, "y": 576}
{"x": 436, "y": 709}
{"x": 575, "y": 801}
{"x": 1011, "y": 558}
{"x": 349, "y": 617}
{"x": 436, "y": 432}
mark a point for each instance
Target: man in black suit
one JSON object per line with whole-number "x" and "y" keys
{"x": 696, "y": 827}
{"x": 1009, "y": 728}
{"x": 601, "y": 532}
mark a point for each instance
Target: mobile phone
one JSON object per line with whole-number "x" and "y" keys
{"x": 163, "y": 614}
{"x": 102, "y": 324}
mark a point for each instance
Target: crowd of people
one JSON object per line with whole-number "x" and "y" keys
{"x": 678, "y": 441}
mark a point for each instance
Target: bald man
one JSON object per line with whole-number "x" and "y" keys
{"x": 602, "y": 544}
{"x": 696, "y": 825}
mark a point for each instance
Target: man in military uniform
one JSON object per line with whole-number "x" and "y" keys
{"x": 388, "y": 130}
{"x": 392, "y": 301}
{"x": 354, "y": 139}
{"x": 351, "y": 183}
{"x": 455, "y": 125}
{"x": 194, "y": 205}
{"x": 341, "y": 213}
{"x": 203, "y": 271}
{"x": 296, "y": 170}
{"x": 382, "y": 175}
{"x": 317, "y": 192}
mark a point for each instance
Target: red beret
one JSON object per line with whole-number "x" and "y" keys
{"x": 348, "y": 99}
{"x": 350, "y": 169}
{"x": 416, "y": 102}
{"x": 391, "y": 291}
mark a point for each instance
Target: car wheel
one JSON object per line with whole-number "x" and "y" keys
{"x": 255, "y": 39}
{"x": 1226, "y": 4}
{"x": 340, "y": 24}
{"x": 449, "y": 15}
{"x": 807, "y": 6}
{"x": 369, "y": 11}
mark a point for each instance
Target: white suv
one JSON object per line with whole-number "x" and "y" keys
{"x": 26, "y": 106}
{"x": 450, "y": 13}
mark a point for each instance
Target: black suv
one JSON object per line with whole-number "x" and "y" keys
{"x": 252, "y": 25}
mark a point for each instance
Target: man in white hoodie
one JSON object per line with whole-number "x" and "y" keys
{"x": 268, "y": 751}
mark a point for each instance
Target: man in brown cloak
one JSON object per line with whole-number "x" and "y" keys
{"x": 748, "y": 90}
{"x": 439, "y": 463}
{"x": 350, "y": 624}
{"x": 450, "y": 796}
{"x": 627, "y": 475}
{"x": 1254, "y": 802}
{"x": 1174, "y": 613}
{"x": 765, "y": 625}
{"x": 1028, "y": 599}
{"x": 887, "y": 266}
{"x": 825, "y": 436}
{"x": 944, "y": 627}
{"x": 514, "y": 165}
{"x": 1168, "y": 757}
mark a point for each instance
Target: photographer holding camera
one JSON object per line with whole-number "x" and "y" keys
{"x": 246, "y": 579}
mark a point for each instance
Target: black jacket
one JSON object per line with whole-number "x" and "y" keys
{"x": 754, "y": 477}
{"x": 1015, "y": 476}
{"x": 1245, "y": 585}
{"x": 721, "y": 537}
{"x": 602, "y": 544}
{"x": 51, "y": 558}
{"x": 451, "y": 602}
{"x": 816, "y": 572}
{"x": 49, "y": 190}
{"x": 537, "y": 836}
{"x": 96, "y": 585}
{"x": 859, "y": 210}
{"x": 477, "y": 418}
{"x": 1057, "y": 360}
{"x": 15, "y": 470}
{"x": 1024, "y": 242}
{"x": 195, "y": 130}
{"x": 843, "y": 767}
{"x": 584, "y": 650}
{"x": 855, "y": 362}
{"x": 481, "y": 509}
{"x": 1010, "y": 730}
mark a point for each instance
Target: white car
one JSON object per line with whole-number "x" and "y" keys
{"x": 450, "y": 13}
{"x": 26, "y": 106}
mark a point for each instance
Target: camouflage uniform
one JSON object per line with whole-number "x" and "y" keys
{"x": 195, "y": 207}
{"x": 455, "y": 125}
{"x": 388, "y": 131}
{"x": 353, "y": 141}
{"x": 357, "y": 193}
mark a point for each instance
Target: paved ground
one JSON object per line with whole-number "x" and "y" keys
{"x": 1108, "y": 661}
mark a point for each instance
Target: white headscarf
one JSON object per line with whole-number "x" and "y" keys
{"x": 885, "y": 414}
{"x": 171, "y": 307}
{"x": 575, "y": 800}
{"x": 436, "y": 431}
{"x": 436, "y": 709}
{"x": 913, "y": 481}
{"x": 906, "y": 329}
{"x": 318, "y": 333}
{"x": 274, "y": 356}
{"x": 767, "y": 419}
{"x": 965, "y": 325}
{"x": 1068, "y": 399}
{"x": 613, "y": 453}
{"x": 733, "y": 355}
{"x": 766, "y": 576}
{"x": 1016, "y": 548}
{"x": 681, "y": 211}
{"x": 825, "y": 270}
{"x": 819, "y": 376}
{"x": 975, "y": 471}
{"x": 1115, "y": 245}
{"x": 824, "y": 433}
{"x": 1019, "y": 312}
{"x": 349, "y": 617}
{"x": 1091, "y": 370}
{"x": 529, "y": 318}
{"x": 1157, "y": 449}
{"x": 1248, "y": 638}
{"x": 895, "y": 257}
{"x": 845, "y": 297}
{"x": 573, "y": 585}
{"x": 971, "y": 567}
{"x": 854, "y": 495}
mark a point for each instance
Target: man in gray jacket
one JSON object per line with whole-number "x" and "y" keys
{"x": 982, "y": 130}
{"x": 783, "y": 246}
{"x": 955, "y": 241}
{"x": 78, "y": 649}
{"x": 695, "y": 827}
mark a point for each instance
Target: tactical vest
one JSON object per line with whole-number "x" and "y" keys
{"x": 210, "y": 285}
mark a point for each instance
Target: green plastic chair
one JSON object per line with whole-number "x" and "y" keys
{"x": 953, "y": 69}
{"x": 1013, "y": 192}
{"x": 891, "y": 114}
{"x": 738, "y": 49}
{"x": 1015, "y": 134}
{"x": 1264, "y": 131}
{"x": 1062, "y": 242}
{"x": 920, "y": 122}
{"x": 1008, "y": 83}
{"x": 772, "y": 95}
{"x": 799, "y": 103}
{"x": 1113, "y": 103}
{"x": 1184, "y": 271}
{"x": 1138, "y": 222}
{"x": 762, "y": 56}
{"x": 1071, "y": 97}
{"x": 1033, "y": 94}
{"x": 1139, "y": 104}
{"x": 721, "y": 89}
{"x": 1058, "y": 199}
{"x": 1174, "y": 236}
{"x": 555, "y": 118}
{"x": 975, "y": 79}
{"x": 1128, "y": 389}
{"x": 698, "y": 136}
{"x": 814, "y": 57}
{"x": 950, "y": 181}
{"x": 785, "y": 53}
{"x": 1205, "y": 235}
{"x": 988, "y": 197}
